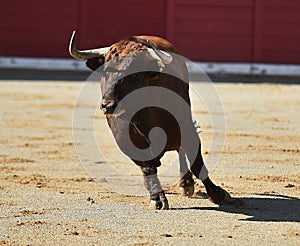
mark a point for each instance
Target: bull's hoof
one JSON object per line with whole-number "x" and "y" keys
{"x": 187, "y": 190}
{"x": 220, "y": 196}
{"x": 159, "y": 204}
{"x": 165, "y": 204}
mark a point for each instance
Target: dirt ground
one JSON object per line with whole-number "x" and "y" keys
{"x": 48, "y": 198}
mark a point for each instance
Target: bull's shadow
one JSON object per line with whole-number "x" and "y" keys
{"x": 265, "y": 208}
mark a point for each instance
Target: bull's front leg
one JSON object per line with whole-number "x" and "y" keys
{"x": 158, "y": 199}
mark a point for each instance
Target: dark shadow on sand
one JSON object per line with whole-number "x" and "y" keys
{"x": 266, "y": 208}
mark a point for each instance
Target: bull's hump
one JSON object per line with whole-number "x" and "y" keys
{"x": 124, "y": 47}
{"x": 132, "y": 45}
{"x": 160, "y": 43}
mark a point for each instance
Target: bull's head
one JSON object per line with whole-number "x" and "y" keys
{"x": 125, "y": 66}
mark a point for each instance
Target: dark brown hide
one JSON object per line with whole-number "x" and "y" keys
{"x": 151, "y": 117}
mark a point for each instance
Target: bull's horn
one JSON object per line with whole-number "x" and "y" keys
{"x": 85, "y": 54}
{"x": 161, "y": 55}
{"x": 157, "y": 54}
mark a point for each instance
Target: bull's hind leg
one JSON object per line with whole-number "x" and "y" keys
{"x": 158, "y": 199}
{"x": 216, "y": 194}
{"x": 186, "y": 182}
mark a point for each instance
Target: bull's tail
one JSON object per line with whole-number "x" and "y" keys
{"x": 197, "y": 127}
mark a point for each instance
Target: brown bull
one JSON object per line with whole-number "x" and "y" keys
{"x": 158, "y": 119}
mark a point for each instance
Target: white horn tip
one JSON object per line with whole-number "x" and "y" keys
{"x": 73, "y": 35}
{"x": 72, "y": 42}
{"x": 168, "y": 58}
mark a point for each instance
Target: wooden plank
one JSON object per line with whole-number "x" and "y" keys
{"x": 283, "y": 57}
{"x": 214, "y": 30}
{"x": 280, "y": 34}
{"x": 213, "y": 13}
{"x": 211, "y": 43}
{"x": 231, "y": 3}
{"x": 120, "y": 19}
{"x": 282, "y": 29}
{"x": 281, "y": 43}
{"x": 282, "y": 15}
{"x": 170, "y": 20}
{"x": 209, "y": 48}
{"x": 36, "y": 28}
{"x": 258, "y": 31}
{"x": 281, "y": 4}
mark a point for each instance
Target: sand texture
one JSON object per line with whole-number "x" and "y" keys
{"x": 48, "y": 198}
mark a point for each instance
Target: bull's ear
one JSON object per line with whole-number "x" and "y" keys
{"x": 95, "y": 63}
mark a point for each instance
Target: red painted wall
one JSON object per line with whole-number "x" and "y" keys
{"x": 37, "y": 28}
{"x": 277, "y": 31}
{"x": 105, "y": 23}
{"x": 204, "y": 30}
{"x": 214, "y": 30}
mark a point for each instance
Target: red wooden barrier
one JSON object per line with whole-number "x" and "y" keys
{"x": 104, "y": 22}
{"x": 214, "y": 30}
{"x": 277, "y": 31}
{"x": 204, "y": 30}
{"x": 37, "y": 28}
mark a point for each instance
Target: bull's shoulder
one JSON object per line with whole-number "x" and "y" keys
{"x": 160, "y": 43}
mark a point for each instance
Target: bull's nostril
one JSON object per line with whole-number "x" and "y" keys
{"x": 108, "y": 108}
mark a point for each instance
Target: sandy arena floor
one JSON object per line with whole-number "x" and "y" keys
{"x": 48, "y": 198}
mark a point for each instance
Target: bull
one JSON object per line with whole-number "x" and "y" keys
{"x": 153, "y": 67}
